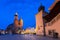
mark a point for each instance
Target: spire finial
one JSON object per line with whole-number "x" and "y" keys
{"x": 16, "y": 14}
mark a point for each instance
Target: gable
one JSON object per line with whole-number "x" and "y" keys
{"x": 53, "y": 13}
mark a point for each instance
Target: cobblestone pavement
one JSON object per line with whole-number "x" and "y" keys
{"x": 25, "y": 37}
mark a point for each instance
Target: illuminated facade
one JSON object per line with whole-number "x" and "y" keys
{"x": 53, "y": 24}
{"x": 18, "y": 23}
{"x": 16, "y": 20}
{"x": 21, "y": 23}
{"x": 39, "y": 22}
{"x": 50, "y": 21}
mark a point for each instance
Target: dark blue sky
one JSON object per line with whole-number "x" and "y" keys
{"x": 25, "y": 8}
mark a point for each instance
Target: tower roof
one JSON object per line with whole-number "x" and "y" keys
{"x": 16, "y": 14}
{"x": 41, "y": 8}
{"x": 20, "y": 19}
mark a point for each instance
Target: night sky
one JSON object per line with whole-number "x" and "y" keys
{"x": 27, "y": 9}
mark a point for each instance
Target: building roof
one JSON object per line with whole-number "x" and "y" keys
{"x": 41, "y": 8}
{"x": 16, "y": 14}
{"x": 10, "y": 27}
{"x": 53, "y": 13}
{"x": 51, "y": 7}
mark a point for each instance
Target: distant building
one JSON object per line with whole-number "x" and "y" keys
{"x": 2, "y": 32}
{"x": 16, "y": 20}
{"x": 16, "y": 25}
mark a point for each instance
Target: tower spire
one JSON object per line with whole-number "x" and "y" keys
{"x": 21, "y": 22}
{"x": 41, "y": 8}
{"x": 16, "y": 19}
{"x": 16, "y": 14}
